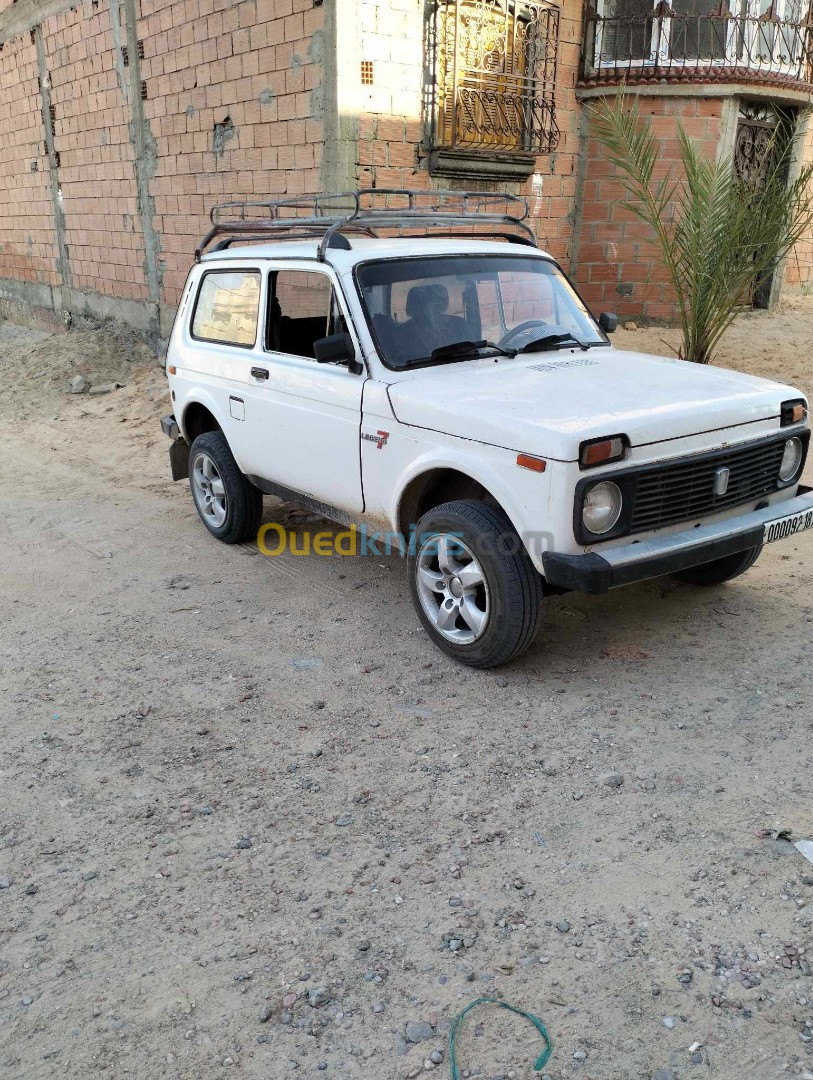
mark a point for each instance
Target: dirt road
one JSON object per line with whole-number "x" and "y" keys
{"x": 252, "y": 823}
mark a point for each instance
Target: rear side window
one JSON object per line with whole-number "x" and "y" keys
{"x": 227, "y": 307}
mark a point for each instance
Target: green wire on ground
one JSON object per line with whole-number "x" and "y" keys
{"x": 458, "y": 1020}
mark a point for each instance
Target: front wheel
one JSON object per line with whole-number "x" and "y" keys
{"x": 720, "y": 570}
{"x": 473, "y": 585}
{"x": 229, "y": 505}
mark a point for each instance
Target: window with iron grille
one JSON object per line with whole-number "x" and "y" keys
{"x": 495, "y": 72}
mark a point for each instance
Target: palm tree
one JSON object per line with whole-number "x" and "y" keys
{"x": 715, "y": 234}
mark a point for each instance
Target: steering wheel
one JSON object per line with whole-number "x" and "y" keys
{"x": 523, "y": 328}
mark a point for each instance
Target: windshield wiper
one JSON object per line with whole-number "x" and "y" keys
{"x": 550, "y": 341}
{"x": 460, "y": 350}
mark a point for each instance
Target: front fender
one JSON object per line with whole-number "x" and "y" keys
{"x": 522, "y": 494}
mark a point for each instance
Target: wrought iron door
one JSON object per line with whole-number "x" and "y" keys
{"x": 762, "y": 139}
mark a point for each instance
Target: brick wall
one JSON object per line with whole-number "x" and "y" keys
{"x": 393, "y": 123}
{"x": 161, "y": 108}
{"x": 615, "y": 265}
{"x": 231, "y": 106}
{"x": 28, "y": 248}
{"x": 96, "y": 170}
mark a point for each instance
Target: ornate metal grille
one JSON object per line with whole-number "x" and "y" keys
{"x": 495, "y": 72}
{"x": 763, "y": 41}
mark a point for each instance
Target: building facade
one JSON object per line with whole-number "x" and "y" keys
{"x": 124, "y": 121}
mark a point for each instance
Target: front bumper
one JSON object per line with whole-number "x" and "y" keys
{"x": 643, "y": 559}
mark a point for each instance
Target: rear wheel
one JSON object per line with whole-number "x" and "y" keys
{"x": 229, "y": 505}
{"x": 715, "y": 573}
{"x": 475, "y": 589}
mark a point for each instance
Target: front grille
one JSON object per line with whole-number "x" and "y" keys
{"x": 685, "y": 490}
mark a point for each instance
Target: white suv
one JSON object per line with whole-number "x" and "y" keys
{"x": 454, "y": 395}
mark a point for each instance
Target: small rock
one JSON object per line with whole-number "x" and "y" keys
{"x": 243, "y": 843}
{"x": 612, "y": 779}
{"x": 668, "y": 1022}
{"x": 418, "y": 1031}
{"x": 308, "y": 663}
{"x": 31, "y": 890}
{"x": 318, "y": 996}
{"x": 266, "y": 1012}
{"x": 436, "y": 1057}
{"x": 630, "y": 326}
{"x": 5, "y": 883}
{"x": 345, "y": 819}
{"x": 427, "y": 879}
{"x": 78, "y": 385}
{"x": 27, "y": 1000}
{"x": 663, "y": 1074}
{"x": 289, "y": 1001}
{"x": 580, "y": 1055}
{"x": 563, "y": 926}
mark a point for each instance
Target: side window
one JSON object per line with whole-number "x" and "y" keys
{"x": 302, "y": 308}
{"x": 227, "y": 307}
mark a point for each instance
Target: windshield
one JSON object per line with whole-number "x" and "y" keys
{"x": 418, "y": 306}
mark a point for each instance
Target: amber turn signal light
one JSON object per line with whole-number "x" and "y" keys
{"x": 793, "y": 412}
{"x": 171, "y": 370}
{"x": 602, "y": 451}
{"x": 535, "y": 464}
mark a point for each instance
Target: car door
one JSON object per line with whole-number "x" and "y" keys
{"x": 221, "y": 342}
{"x": 303, "y": 418}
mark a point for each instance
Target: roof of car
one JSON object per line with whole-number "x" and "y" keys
{"x": 364, "y": 248}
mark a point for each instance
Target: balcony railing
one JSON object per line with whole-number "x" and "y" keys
{"x": 630, "y": 41}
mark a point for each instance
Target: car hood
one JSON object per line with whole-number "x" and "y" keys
{"x": 547, "y": 403}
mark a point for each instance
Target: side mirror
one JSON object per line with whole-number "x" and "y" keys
{"x": 608, "y": 321}
{"x": 337, "y": 349}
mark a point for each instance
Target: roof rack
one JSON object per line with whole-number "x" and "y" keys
{"x": 328, "y": 217}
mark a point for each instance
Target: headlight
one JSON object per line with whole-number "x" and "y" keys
{"x": 602, "y": 507}
{"x": 791, "y": 459}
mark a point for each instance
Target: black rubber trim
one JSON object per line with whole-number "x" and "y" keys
{"x": 169, "y": 426}
{"x": 179, "y": 459}
{"x": 591, "y": 573}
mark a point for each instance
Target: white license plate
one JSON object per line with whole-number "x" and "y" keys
{"x": 788, "y": 526}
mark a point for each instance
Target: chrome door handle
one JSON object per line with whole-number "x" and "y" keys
{"x": 259, "y": 372}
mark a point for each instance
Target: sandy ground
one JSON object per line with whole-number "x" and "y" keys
{"x": 253, "y": 823}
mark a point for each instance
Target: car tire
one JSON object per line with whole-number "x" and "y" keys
{"x": 474, "y": 587}
{"x": 720, "y": 570}
{"x": 228, "y": 504}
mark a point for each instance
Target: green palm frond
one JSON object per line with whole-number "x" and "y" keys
{"x": 714, "y": 234}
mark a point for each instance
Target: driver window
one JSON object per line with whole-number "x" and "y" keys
{"x": 302, "y": 307}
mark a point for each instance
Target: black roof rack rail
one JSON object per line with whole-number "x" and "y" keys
{"x": 328, "y": 217}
